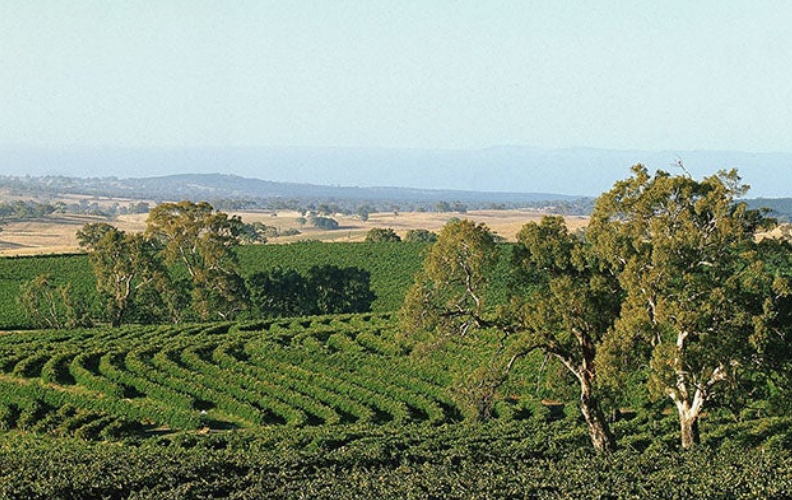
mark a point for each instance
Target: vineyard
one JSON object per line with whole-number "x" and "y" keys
{"x": 361, "y": 405}
{"x": 108, "y": 383}
{"x": 313, "y": 407}
{"x": 391, "y": 265}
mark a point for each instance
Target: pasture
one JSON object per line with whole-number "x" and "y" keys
{"x": 56, "y": 234}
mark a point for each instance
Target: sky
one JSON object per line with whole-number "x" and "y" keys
{"x": 427, "y": 74}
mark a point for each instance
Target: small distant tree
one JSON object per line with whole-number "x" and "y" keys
{"x": 364, "y": 212}
{"x": 378, "y": 235}
{"x": 420, "y": 236}
{"x": 442, "y": 206}
{"x": 323, "y": 222}
{"x": 254, "y": 233}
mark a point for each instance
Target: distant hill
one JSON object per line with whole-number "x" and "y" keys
{"x": 781, "y": 208}
{"x": 508, "y": 169}
{"x": 261, "y": 193}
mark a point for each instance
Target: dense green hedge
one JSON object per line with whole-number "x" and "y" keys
{"x": 454, "y": 462}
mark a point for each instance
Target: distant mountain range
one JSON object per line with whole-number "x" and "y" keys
{"x": 572, "y": 172}
{"x": 232, "y": 190}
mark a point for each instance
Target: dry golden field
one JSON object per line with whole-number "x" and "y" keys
{"x": 57, "y": 234}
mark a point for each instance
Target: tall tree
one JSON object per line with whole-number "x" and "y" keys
{"x": 695, "y": 286}
{"x": 203, "y": 241}
{"x": 567, "y": 311}
{"x": 564, "y": 305}
{"x": 123, "y": 264}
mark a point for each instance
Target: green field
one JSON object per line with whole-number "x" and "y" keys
{"x": 327, "y": 406}
{"x": 392, "y": 267}
{"x": 340, "y": 406}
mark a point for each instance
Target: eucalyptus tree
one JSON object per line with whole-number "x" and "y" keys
{"x": 697, "y": 293}
{"x": 568, "y": 311}
{"x": 202, "y": 240}
{"x": 564, "y": 307}
{"x": 378, "y": 234}
{"x": 125, "y": 265}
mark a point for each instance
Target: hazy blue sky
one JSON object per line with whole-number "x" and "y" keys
{"x": 670, "y": 74}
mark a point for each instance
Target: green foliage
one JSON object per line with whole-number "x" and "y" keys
{"x": 323, "y": 222}
{"x": 49, "y": 305}
{"x": 563, "y": 306}
{"x": 71, "y": 271}
{"x": 669, "y": 274}
{"x": 324, "y": 290}
{"x": 202, "y": 240}
{"x": 391, "y": 265}
{"x": 126, "y": 268}
{"x": 454, "y": 462}
{"x": 342, "y": 405}
{"x": 335, "y": 290}
{"x": 279, "y": 292}
{"x": 256, "y": 233}
{"x": 378, "y": 235}
{"x": 420, "y": 236}
{"x": 698, "y": 295}
{"x": 450, "y": 292}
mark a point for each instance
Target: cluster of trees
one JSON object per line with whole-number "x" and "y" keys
{"x": 669, "y": 281}
{"x": 322, "y": 222}
{"x": 259, "y": 233}
{"x": 22, "y": 210}
{"x": 183, "y": 261}
{"x": 28, "y": 209}
{"x": 185, "y": 267}
{"x": 323, "y": 290}
{"x": 444, "y": 206}
{"x": 377, "y": 235}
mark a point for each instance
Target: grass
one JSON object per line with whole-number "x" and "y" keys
{"x": 56, "y": 234}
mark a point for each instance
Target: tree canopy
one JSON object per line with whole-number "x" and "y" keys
{"x": 697, "y": 289}
{"x": 378, "y": 234}
{"x": 670, "y": 276}
{"x": 203, "y": 241}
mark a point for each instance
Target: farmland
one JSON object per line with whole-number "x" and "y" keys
{"x": 56, "y": 234}
{"x": 392, "y": 266}
{"x": 326, "y": 406}
{"x": 427, "y": 395}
